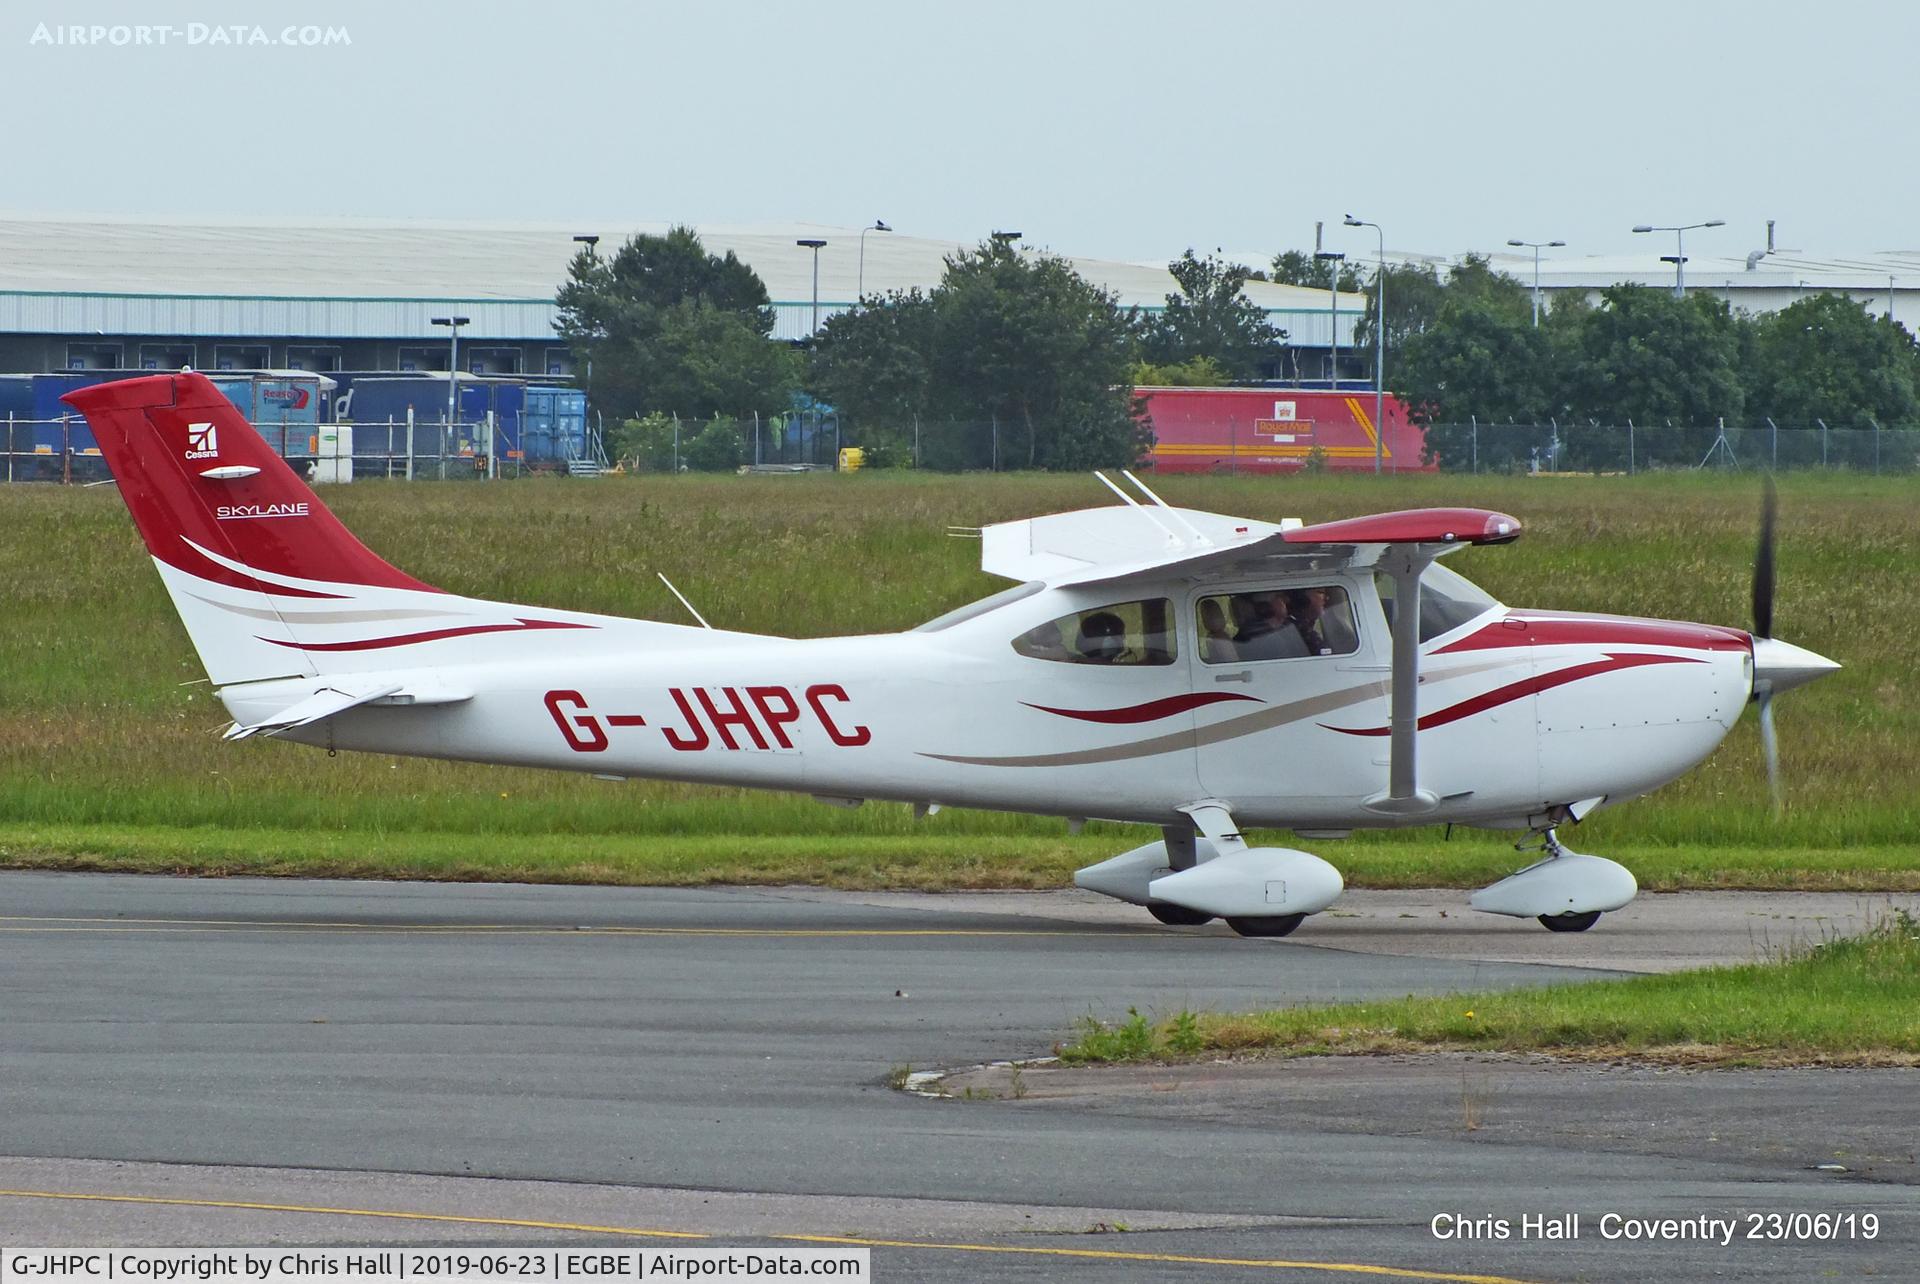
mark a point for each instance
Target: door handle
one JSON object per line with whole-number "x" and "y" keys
{"x": 1245, "y": 675}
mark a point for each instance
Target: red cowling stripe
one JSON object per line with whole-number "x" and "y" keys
{"x": 1526, "y": 687}
{"x": 1152, "y": 710}
{"x": 432, "y": 635}
{"x": 1550, "y": 629}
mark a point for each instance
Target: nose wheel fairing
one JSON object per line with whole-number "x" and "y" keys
{"x": 1563, "y": 886}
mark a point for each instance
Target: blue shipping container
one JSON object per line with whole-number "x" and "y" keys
{"x": 554, "y": 427}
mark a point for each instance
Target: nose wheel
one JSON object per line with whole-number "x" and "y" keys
{"x": 1569, "y": 922}
{"x": 1266, "y": 925}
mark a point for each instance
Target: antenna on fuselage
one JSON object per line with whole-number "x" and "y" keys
{"x": 683, "y": 600}
{"x": 1172, "y": 538}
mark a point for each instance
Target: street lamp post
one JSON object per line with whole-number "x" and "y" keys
{"x": 814, "y": 245}
{"x": 453, "y": 364}
{"x": 1679, "y": 256}
{"x": 453, "y": 391}
{"x": 879, "y": 225}
{"x": 1536, "y": 247}
{"x": 1333, "y": 259}
{"x": 1379, "y": 342}
{"x": 589, "y": 242}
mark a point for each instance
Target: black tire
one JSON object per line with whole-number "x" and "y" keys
{"x": 1569, "y": 922}
{"x": 1178, "y": 915}
{"x": 1271, "y": 925}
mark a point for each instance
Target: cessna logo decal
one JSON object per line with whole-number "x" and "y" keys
{"x": 247, "y": 512}
{"x": 203, "y": 441}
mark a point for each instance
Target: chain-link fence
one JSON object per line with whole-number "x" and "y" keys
{"x": 63, "y": 451}
{"x": 1566, "y": 447}
{"x": 668, "y": 443}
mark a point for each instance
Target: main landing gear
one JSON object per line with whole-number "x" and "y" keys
{"x": 1565, "y": 890}
{"x": 1204, "y": 870}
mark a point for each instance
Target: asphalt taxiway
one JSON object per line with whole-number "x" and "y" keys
{"x": 244, "y": 1061}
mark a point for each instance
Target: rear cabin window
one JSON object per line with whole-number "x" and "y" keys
{"x": 1122, "y": 634}
{"x": 1275, "y": 624}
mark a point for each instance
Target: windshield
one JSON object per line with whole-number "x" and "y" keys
{"x": 1448, "y": 599}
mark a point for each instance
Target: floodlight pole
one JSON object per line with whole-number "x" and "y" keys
{"x": 1535, "y": 246}
{"x": 590, "y": 242}
{"x": 1679, "y": 256}
{"x": 453, "y": 366}
{"x": 1379, "y": 344}
{"x": 1333, "y": 259}
{"x": 879, "y": 225}
{"x": 814, "y": 244}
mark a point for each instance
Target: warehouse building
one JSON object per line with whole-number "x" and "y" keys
{"x": 1758, "y": 280}
{"x": 98, "y": 293}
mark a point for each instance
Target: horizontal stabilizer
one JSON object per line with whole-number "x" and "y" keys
{"x": 338, "y": 698}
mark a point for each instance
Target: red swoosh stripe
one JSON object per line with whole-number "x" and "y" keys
{"x": 218, "y": 574}
{"x": 1519, "y": 690}
{"x": 432, "y": 635}
{"x": 1548, "y": 629}
{"x": 1152, "y": 710}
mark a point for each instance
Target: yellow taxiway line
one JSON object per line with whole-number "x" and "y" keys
{"x": 849, "y": 1241}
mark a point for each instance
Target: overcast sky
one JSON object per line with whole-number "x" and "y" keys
{"x": 1115, "y": 129}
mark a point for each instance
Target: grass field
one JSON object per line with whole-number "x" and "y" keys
{"x": 109, "y": 753}
{"x": 1846, "y": 1002}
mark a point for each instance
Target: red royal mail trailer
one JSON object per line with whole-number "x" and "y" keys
{"x": 1275, "y": 430}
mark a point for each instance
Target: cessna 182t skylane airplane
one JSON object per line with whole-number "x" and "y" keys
{"x": 1154, "y": 664}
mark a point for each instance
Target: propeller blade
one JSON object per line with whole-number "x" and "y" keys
{"x": 1763, "y": 566}
{"x": 1771, "y": 744}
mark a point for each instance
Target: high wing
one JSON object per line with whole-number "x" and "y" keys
{"x": 1110, "y": 545}
{"x": 1106, "y": 545}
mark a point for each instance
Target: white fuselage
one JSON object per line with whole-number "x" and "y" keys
{"x": 1525, "y": 714}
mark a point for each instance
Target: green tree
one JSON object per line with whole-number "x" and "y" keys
{"x": 1645, "y": 355}
{"x": 1211, "y": 317}
{"x": 1298, "y": 267}
{"x": 874, "y": 363}
{"x": 664, "y": 325}
{"x": 1414, "y": 295}
{"x": 1199, "y": 372}
{"x": 1017, "y": 338}
{"x": 1475, "y": 360}
{"x": 1026, "y": 339}
{"x": 1825, "y": 357}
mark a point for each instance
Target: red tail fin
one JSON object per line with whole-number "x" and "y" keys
{"x": 198, "y": 479}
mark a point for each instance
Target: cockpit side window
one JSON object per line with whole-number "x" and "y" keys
{"x": 1275, "y": 624}
{"x": 1125, "y": 633}
{"x": 1447, "y": 600}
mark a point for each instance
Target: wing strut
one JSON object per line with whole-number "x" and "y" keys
{"x": 1404, "y": 796}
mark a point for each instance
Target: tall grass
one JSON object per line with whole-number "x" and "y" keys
{"x": 102, "y": 721}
